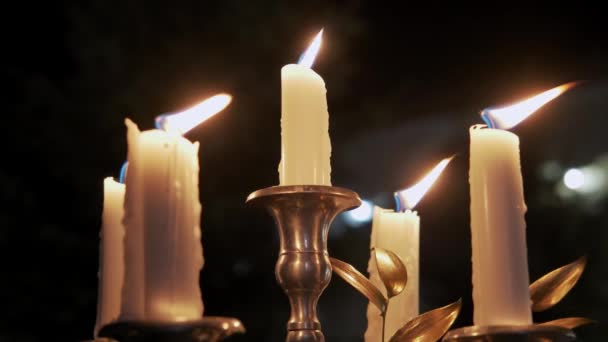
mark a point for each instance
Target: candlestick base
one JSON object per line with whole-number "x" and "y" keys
{"x": 526, "y": 333}
{"x": 303, "y": 215}
{"x": 206, "y": 329}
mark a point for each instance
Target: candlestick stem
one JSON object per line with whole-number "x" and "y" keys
{"x": 384, "y": 320}
{"x": 303, "y": 215}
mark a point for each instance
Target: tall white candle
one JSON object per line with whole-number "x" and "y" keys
{"x": 398, "y": 232}
{"x": 305, "y": 144}
{"x": 498, "y": 228}
{"x": 111, "y": 262}
{"x": 163, "y": 251}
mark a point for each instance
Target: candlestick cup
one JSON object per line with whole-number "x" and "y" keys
{"x": 206, "y": 329}
{"x": 303, "y": 215}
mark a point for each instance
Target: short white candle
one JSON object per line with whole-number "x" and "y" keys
{"x": 111, "y": 262}
{"x": 305, "y": 143}
{"x": 399, "y": 232}
{"x": 163, "y": 250}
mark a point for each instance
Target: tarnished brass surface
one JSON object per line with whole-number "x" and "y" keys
{"x": 206, "y": 329}
{"x": 526, "y": 333}
{"x": 303, "y": 215}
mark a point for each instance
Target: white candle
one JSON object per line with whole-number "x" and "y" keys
{"x": 163, "y": 250}
{"x": 398, "y": 232}
{"x": 305, "y": 144}
{"x": 498, "y": 228}
{"x": 111, "y": 263}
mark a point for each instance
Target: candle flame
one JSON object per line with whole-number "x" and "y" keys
{"x": 508, "y": 117}
{"x": 123, "y": 172}
{"x": 408, "y": 198}
{"x": 184, "y": 121}
{"x": 308, "y": 57}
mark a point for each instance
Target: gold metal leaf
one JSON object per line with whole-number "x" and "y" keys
{"x": 391, "y": 270}
{"x": 552, "y": 287}
{"x": 430, "y": 326}
{"x": 570, "y": 322}
{"x": 359, "y": 282}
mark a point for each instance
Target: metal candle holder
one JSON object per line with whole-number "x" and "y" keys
{"x": 206, "y": 329}
{"x": 526, "y": 333}
{"x": 303, "y": 215}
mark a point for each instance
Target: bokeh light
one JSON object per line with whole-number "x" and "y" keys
{"x": 360, "y": 215}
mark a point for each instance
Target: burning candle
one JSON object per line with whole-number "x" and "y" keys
{"x": 399, "y": 232}
{"x": 498, "y": 227}
{"x": 163, "y": 251}
{"x": 111, "y": 265}
{"x": 305, "y": 144}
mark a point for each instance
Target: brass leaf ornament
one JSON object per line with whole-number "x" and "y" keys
{"x": 430, "y": 326}
{"x": 552, "y": 287}
{"x": 359, "y": 282}
{"x": 570, "y": 322}
{"x": 391, "y": 270}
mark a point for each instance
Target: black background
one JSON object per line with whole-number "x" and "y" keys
{"x": 404, "y": 84}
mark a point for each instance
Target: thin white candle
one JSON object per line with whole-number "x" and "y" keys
{"x": 305, "y": 143}
{"x": 163, "y": 250}
{"x": 498, "y": 227}
{"x": 111, "y": 263}
{"x": 399, "y": 232}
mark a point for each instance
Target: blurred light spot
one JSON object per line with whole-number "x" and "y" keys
{"x": 586, "y": 186}
{"x": 574, "y": 179}
{"x": 361, "y": 215}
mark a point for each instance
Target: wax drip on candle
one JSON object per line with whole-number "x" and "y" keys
{"x": 308, "y": 57}
{"x": 510, "y": 116}
{"x": 408, "y": 198}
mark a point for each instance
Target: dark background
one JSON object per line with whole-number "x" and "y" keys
{"x": 404, "y": 84}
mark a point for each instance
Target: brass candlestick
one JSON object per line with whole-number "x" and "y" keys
{"x": 206, "y": 329}
{"x": 527, "y": 333}
{"x": 545, "y": 293}
{"x": 303, "y": 215}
